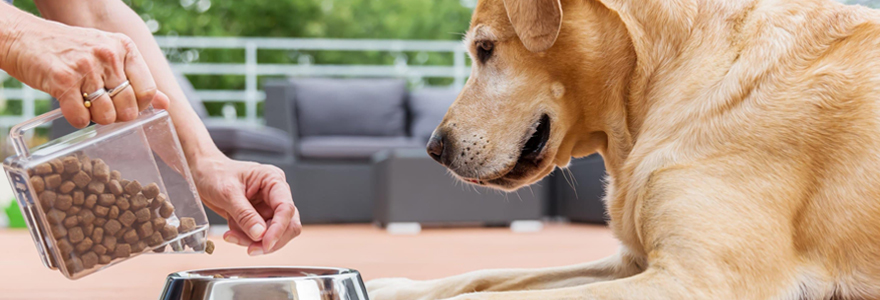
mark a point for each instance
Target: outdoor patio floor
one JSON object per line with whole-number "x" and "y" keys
{"x": 431, "y": 254}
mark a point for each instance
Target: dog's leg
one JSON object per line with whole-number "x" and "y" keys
{"x": 616, "y": 266}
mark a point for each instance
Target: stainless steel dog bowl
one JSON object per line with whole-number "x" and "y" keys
{"x": 270, "y": 283}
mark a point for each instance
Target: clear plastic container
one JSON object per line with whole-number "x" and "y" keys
{"x": 106, "y": 193}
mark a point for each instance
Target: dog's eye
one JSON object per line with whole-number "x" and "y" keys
{"x": 484, "y": 50}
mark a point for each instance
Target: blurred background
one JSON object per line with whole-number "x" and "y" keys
{"x": 342, "y": 95}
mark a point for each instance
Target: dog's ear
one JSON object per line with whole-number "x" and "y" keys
{"x": 536, "y": 22}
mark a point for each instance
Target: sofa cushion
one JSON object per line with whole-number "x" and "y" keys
{"x": 350, "y": 107}
{"x": 428, "y": 106}
{"x": 242, "y": 137}
{"x": 352, "y": 147}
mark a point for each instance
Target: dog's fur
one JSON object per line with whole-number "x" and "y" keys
{"x": 741, "y": 139}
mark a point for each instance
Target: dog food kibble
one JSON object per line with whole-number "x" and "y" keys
{"x": 143, "y": 215}
{"x": 114, "y": 187}
{"x": 210, "y": 247}
{"x": 63, "y": 202}
{"x": 53, "y": 181}
{"x": 122, "y": 251}
{"x": 127, "y": 218}
{"x": 38, "y": 184}
{"x": 98, "y": 217}
{"x": 166, "y": 210}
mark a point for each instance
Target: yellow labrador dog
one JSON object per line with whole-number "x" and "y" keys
{"x": 741, "y": 138}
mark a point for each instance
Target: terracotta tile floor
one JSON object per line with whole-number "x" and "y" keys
{"x": 433, "y": 253}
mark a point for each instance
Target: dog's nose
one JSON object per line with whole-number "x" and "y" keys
{"x": 436, "y": 146}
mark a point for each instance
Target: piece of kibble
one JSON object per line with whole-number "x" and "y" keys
{"x": 114, "y": 212}
{"x": 144, "y": 230}
{"x": 100, "y": 170}
{"x": 209, "y": 248}
{"x": 74, "y": 265}
{"x": 67, "y": 187}
{"x": 138, "y": 247}
{"x": 124, "y": 182}
{"x": 100, "y": 222}
{"x": 115, "y": 175}
{"x": 154, "y": 239}
{"x": 74, "y": 210}
{"x": 63, "y": 202}
{"x": 123, "y": 203}
{"x": 120, "y": 233}
{"x": 86, "y": 164}
{"x": 106, "y": 200}
{"x": 114, "y": 187}
{"x": 81, "y": 179}
{"x": 98, "y": 235}
{"x": 87, "y": 217}
{"x": 90, "y": 202}
{"x": 133, "y": 187}
{"x": 85, "y": 245}
{"x": 65, "y": 247}
{"x": 43, "y": 169}
{"x": 87, "y": 229}
{"x": 53, "y": 181}
{"x": 59, "y": 231}
{"x": 47, "y": 199}
{"x": 122, "y": 251}
{"x": 169, "y": 232}
{"x": 158, "y": 201}
{"x": 105, "y": 259}
{"x": 127, "y": 218}
{"x": 151, "y": 190}
{"x": 71, "y": 164}
{"x": 186, "y": 225}
{"x": 218, "y": 276}
{"x": 112, "y": 227}
{"x": 71, "y": 221}
{"x": 160, "y": 249}
{"x": 55, "y": 216}
{"x": 96, "y": 187}
{"x": 158, "y": 222}
{"x": 109, "y": 243}
{"x": 143, "y": 215}
{"x": 38, "y": 184}
{"x": 57, "y": 165}
{"x": 130, "y": 237}
{"x": 101, "y": 211}
{"x": 89, "y": 260}
{"x": 99, "y": 249}
{"x": 75, "y": 235}
{"x": 138, "y": 201}
{"x": 166, "y": 210}
{"x": 79, "y": 198}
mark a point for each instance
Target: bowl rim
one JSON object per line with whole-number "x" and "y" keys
{"x": 192, "y": 274}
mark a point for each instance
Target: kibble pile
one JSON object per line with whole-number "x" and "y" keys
{"x": 97, "y": 217}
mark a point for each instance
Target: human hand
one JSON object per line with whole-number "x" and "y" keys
{"x": 66, "y": 62}
{"x": 250, "y": 196}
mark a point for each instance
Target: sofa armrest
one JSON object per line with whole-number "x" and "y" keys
{"x": 280, "y": 109}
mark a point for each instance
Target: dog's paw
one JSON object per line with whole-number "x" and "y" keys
{"x": 400, "y": 289}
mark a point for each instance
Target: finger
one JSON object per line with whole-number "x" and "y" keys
{"x": 125, "y": 103}
{"x": 101, "y": 110}
{"x": 138, "y": 74}
{"x": 293, "y": 230}
{"x": 114, "y": 76}
{"x": 235, "y": 235}
{"x": 161, "y": 101}
{"x": 277, "y": 196}
{"x": 264, "y": 210}
{"x": 72, "y": 107}
{"x": 246, "y": 216}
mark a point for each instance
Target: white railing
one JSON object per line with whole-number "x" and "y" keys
{"x": 251, "y": 69}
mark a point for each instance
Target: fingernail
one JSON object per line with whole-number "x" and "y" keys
{"x": 256, "y": 252}
{"x": 256, "y": 231}
{"x": 232, "y": 240}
